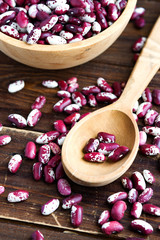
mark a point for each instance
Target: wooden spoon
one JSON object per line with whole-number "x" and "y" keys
{"x": 116, "y": 119}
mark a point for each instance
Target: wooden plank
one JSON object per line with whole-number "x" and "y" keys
{"x": 21, "y": 101}
{"x": 13, "y": 230}
{"x": 40, "y": 192}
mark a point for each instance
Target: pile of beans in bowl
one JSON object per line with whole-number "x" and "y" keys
{"x": 57, "y": 21}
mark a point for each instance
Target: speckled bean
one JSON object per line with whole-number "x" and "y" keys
{"x": 127, "y": 183}
{"x": 95, "y": 157}
{"x": 50, "y": 206}
{"x": 151, "y": 209}
{"x": 63, "y": 187}
{"x": 132, "y": 195}
{"x": 104, "y": 217}
{"x": 71, "y": 200}
{"x": 37, "y": 171}
{"x": 44, "y": 154}
{"x": 91, "y": 146}
{"x": 14, "y": 163}
{"x": 146, "y": 195}
{"x": 142, "y": 226}
{"x": 138, "y": 181}
{"x": 148, "y": 176}
{"x": 33, "y": 117}
{"x": 136, "y": 210}
{"x": 47, "y": 137}
{"x": 4, "y": 140}
{"x": 116, "y": 197}
{"x": 17, "y": 196}
{"x": 17, "y": 120}
{"x": 112, "y": 227}
{"x": 76, "y": 215}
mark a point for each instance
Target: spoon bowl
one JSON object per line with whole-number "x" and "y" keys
{"x": 116, "y": 119}
{"x": 99, "y": 174}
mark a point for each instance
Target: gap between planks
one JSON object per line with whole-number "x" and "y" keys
{"x": 50, "y": 225}
{"x": 18, "y": 130}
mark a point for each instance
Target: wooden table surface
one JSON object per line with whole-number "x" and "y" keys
{"x": 18, "y": 221}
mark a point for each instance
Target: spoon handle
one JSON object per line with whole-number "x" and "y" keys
{"x": 145, "y": 68}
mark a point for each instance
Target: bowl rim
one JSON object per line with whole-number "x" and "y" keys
{"x": 81, "y": 44}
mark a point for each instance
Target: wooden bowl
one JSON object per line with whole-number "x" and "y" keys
{"x": 67, "y": 55}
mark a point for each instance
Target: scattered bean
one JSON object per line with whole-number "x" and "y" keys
{"x": 47, "y": 137}
{"x": 33, "y": 117}
{"x": 16, "y": 86}
{"x": 151, "y": 209}
{"x": 54, "y": 161}
{"x": 4, "y": 140}
{"x": 142, "y": 226}
{"x": 142, "y": 138}
{"x": 59, "y": 171}
{"x": 76, "y": 215}
{"x": 105, "y": 215}
{"x": 118, "y": 210}
{"x": 136, "y": 210}
{"x": 49, "y": 175}
{"x": 146, "y": 195}
{"x": 17, "y": 120}
{"x": 143, "y": 108}
{"x": 50, "y": 207}
{"x": 112, "y": 227}
{"x": 138, "y": 181}
{"x": 39, "y": 102}
{"x": 116, "y": 197}
{"x": 149, "y": 150}
{"x": 61, "y": 138}
{"x": 127, "y": 183}
{"x": 156, "y": 96}
{"x": 71, "y": 200}
{"x": 37, "y": 235}
{"x": 147, "y": 95}
{"x": 37, "y": 171}
{"x": 44, "y": 154}
{"x": 148, "y": 176}
{"x": 54, "y": 148}
{"x": 63, "y": 187}
{"x": 132, "y": 195}
{"x": 2, "y": 189}
{"x": 14, "y": 163}
{"x": 30, "y": 150}
{"x": 18, "y": 196}
{"x": 60, "y": 126}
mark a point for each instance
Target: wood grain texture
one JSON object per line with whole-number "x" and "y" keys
{"x": 94, "y": 199}
{"x": 114, "y": 65}
{"x": 25, "y": 231}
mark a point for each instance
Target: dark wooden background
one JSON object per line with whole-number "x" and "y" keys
{"x": 18, "y": 221}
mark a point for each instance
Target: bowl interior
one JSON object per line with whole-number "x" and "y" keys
{"x": 66, "y": 55}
